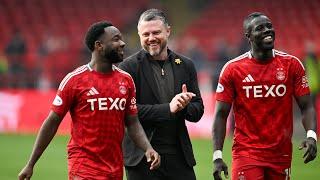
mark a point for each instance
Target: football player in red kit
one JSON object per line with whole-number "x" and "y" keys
{"x": 101, "y": 100}
{"x": 260, "y": 84}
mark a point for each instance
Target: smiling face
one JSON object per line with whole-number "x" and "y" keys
{"x": 154, "y": 36}
{"x": 260, "y": 33}
{"x": 112, "y": 45}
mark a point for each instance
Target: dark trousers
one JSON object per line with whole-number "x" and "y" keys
{"x": 173, "y": 167}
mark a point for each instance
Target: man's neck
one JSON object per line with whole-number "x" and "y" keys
{"x": 262, "y": 55}
{"x": 99, "y": 64}
{"x": 162, "y": 56}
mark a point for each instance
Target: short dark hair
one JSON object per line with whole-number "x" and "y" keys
{"x": 94, "y": 32}
{"x": 153, "y": 14}
{"x": 249, "y": 18}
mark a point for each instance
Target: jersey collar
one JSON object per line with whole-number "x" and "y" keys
{"x": 250, "y": 55}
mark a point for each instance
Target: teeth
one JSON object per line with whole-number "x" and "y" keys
{"x": 268, "y": 38}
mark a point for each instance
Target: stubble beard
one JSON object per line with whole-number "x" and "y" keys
{"x": 157, "y": 51}
{"x": 113, "y": 56}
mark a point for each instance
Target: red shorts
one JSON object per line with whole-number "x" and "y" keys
{"x": 244, "y": 168}
{"x": 73, "y": 176}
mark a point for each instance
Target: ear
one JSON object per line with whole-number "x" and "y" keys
{"x": 247, "y": 35}
{"x": 97, "y": 45}
{"x": 168, "y": 31}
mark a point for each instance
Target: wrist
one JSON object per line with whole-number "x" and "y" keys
{"x": 312, "y": 134}
{"x": 30, "y": 164}
{"x": 217, "y": 154}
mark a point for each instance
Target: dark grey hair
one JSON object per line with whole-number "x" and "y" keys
{"x": 153, "y": 14}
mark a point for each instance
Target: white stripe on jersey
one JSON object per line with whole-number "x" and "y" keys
{"x": 280, "y": 53}
{"x": 88, "y": 65}
{"x": 124, "y": 72}
{"x": 234, "y": 60}
{"x": 70, "y": 75}
{"x": 251, "y": 78}
{"x": 94, "y": 90}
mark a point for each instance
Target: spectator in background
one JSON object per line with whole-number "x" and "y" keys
{"x": 15, "y": 52}
{"x": 3, "y": 70}
{"x": 3, "y": 64}
{"x": 193, "y": 51}
{"x": 51, "y": 43}
{"x": 221, "y": 56}
{"x": 312, "y": 64}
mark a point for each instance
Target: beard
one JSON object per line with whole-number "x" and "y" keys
{"x": 114, "y": 56}
{"x": 158, "y": 51}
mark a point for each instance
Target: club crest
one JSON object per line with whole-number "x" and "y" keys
{"x": 122, "y": 89}
{"x": 280, "y": 75}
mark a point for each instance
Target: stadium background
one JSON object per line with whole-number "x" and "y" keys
{"x": 42, "y": 40}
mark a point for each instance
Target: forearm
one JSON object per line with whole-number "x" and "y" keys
{"x": 308, "y": 113}
{"x": 137, "y": 134}
{"x": 219, "y": 126}
{"x": 154, "y": 113}
{"x": 218, "y": 133}
{"x": 309, "y": 119}
{"x": 44, "y": 137}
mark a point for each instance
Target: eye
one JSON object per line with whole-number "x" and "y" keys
{"x": 117, "y": 38}
{"x": 145, "y": 34}
{"x": 157, "y": 32}
{"x": 269, "y": 25}
{"x": 259, "y": 28}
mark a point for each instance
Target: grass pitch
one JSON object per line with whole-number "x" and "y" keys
{"x": 15, "y": 150}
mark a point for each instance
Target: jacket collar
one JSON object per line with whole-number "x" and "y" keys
{"x": 148, "y": 72}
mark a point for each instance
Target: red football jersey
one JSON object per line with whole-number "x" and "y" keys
{"x": 98, "y": 104}
{"x": 262, "y": 96}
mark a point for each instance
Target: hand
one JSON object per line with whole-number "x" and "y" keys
{"x": 219, "y": 165}
{"x": 26, "y": 173}
{"x": 180, "y": 101}
{"x": 310, "y": 145}
{"x": 153, "y": 157}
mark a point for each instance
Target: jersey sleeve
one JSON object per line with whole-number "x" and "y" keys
{"x": 225, "y": 89}
{"x": 64, "y": 97}
{"x": 300, "y": 81}
{"x": 131, "y": 107}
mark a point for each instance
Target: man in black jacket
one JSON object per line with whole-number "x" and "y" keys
{"x": 167, "y": 94}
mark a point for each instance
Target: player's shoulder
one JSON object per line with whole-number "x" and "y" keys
{"x": 283, "y": 56}
{"x": 121, "y": 72}
{"x": 236, "y": 61}
{"x": 76, "y": 73}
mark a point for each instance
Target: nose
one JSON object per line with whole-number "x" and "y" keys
{"x": 122, "y": 43}
{"x": 151, "y": 37}
{"x": 267, "y": 29}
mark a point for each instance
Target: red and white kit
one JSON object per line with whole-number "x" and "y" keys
{"x": 98, "y": 104}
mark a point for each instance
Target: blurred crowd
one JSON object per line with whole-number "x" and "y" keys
{"x": 43, "y": 64}
{"x": 16, "y": 71}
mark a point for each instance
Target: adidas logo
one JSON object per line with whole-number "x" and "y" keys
{"x": 92, "y": 92}
{"x": 248, "y": 78}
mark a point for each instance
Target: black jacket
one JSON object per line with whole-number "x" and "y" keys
{"x": 149, "y": 107}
